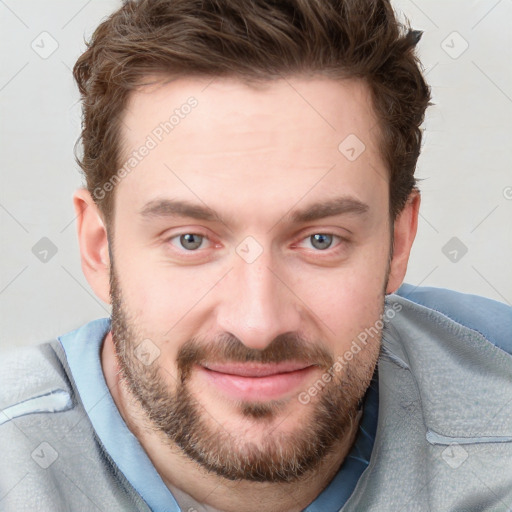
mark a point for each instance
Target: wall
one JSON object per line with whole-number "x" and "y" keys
{"x": 465, "y": 236}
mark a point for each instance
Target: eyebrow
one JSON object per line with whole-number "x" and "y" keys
{"x": 177, "y": 208}
{"x": 337, "y": 206}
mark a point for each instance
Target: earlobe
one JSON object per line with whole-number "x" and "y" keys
{"x": 93, "y": 242}
{"x": 405, "y": 228}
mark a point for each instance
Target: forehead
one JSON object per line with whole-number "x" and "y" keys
{"x": 213, "y": 135}
{"x": 328, "y": 107}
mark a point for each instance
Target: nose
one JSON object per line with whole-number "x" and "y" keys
{"x": 257, "y": 302}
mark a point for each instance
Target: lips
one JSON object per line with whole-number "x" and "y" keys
{"x": 256, "y": 370}
{"x": 256, "y": 382}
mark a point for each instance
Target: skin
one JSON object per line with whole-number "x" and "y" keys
{"x": 254, "y": 155}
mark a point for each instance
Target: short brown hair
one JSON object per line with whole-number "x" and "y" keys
{"x": 253, "y": 40}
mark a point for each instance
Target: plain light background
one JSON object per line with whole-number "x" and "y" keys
{"x": 464, "y": 240}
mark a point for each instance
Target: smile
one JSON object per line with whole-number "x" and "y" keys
{"x": 256, "y": 381}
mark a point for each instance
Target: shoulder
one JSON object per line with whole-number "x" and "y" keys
{"x": 33, "y": 387}
{"x": 45, "y": 428}
{"x": 490, "y": 318}
{"x": 33, "y": 377}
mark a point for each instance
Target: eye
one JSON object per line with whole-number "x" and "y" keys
{"x": 188, "y": 241}
{"x": 321, "y": 241}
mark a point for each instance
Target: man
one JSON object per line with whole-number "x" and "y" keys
{"x": 249, "y": 213}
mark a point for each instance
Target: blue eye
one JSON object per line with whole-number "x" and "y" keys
{"x": 321, "y": 240}
{"x": 189, "y": 241}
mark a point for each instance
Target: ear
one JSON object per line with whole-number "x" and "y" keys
{"x": 406, "y": 225}
{"x": 93, "y": 241}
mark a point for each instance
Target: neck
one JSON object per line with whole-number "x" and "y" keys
{"x": 179, "y": 471}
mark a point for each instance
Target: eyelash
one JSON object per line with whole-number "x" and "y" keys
{"x": 332, "y": 250}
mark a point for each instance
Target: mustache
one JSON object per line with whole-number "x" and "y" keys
{"x": 228, "y": 348}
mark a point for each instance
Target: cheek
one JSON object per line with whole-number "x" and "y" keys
{"x": 346, "y": 300}
{"x": 347, "y": 308}
{"x": 165, "y": 306}
{"x": 156, "y": 292}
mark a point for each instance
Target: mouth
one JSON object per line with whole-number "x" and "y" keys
{"x": 256, "y": 370}
{"x": 257, "y": 382}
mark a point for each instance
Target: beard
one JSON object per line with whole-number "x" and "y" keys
{"x": 182, "y": 421}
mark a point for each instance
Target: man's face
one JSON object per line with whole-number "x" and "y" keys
{"x": 205, "y": 307}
